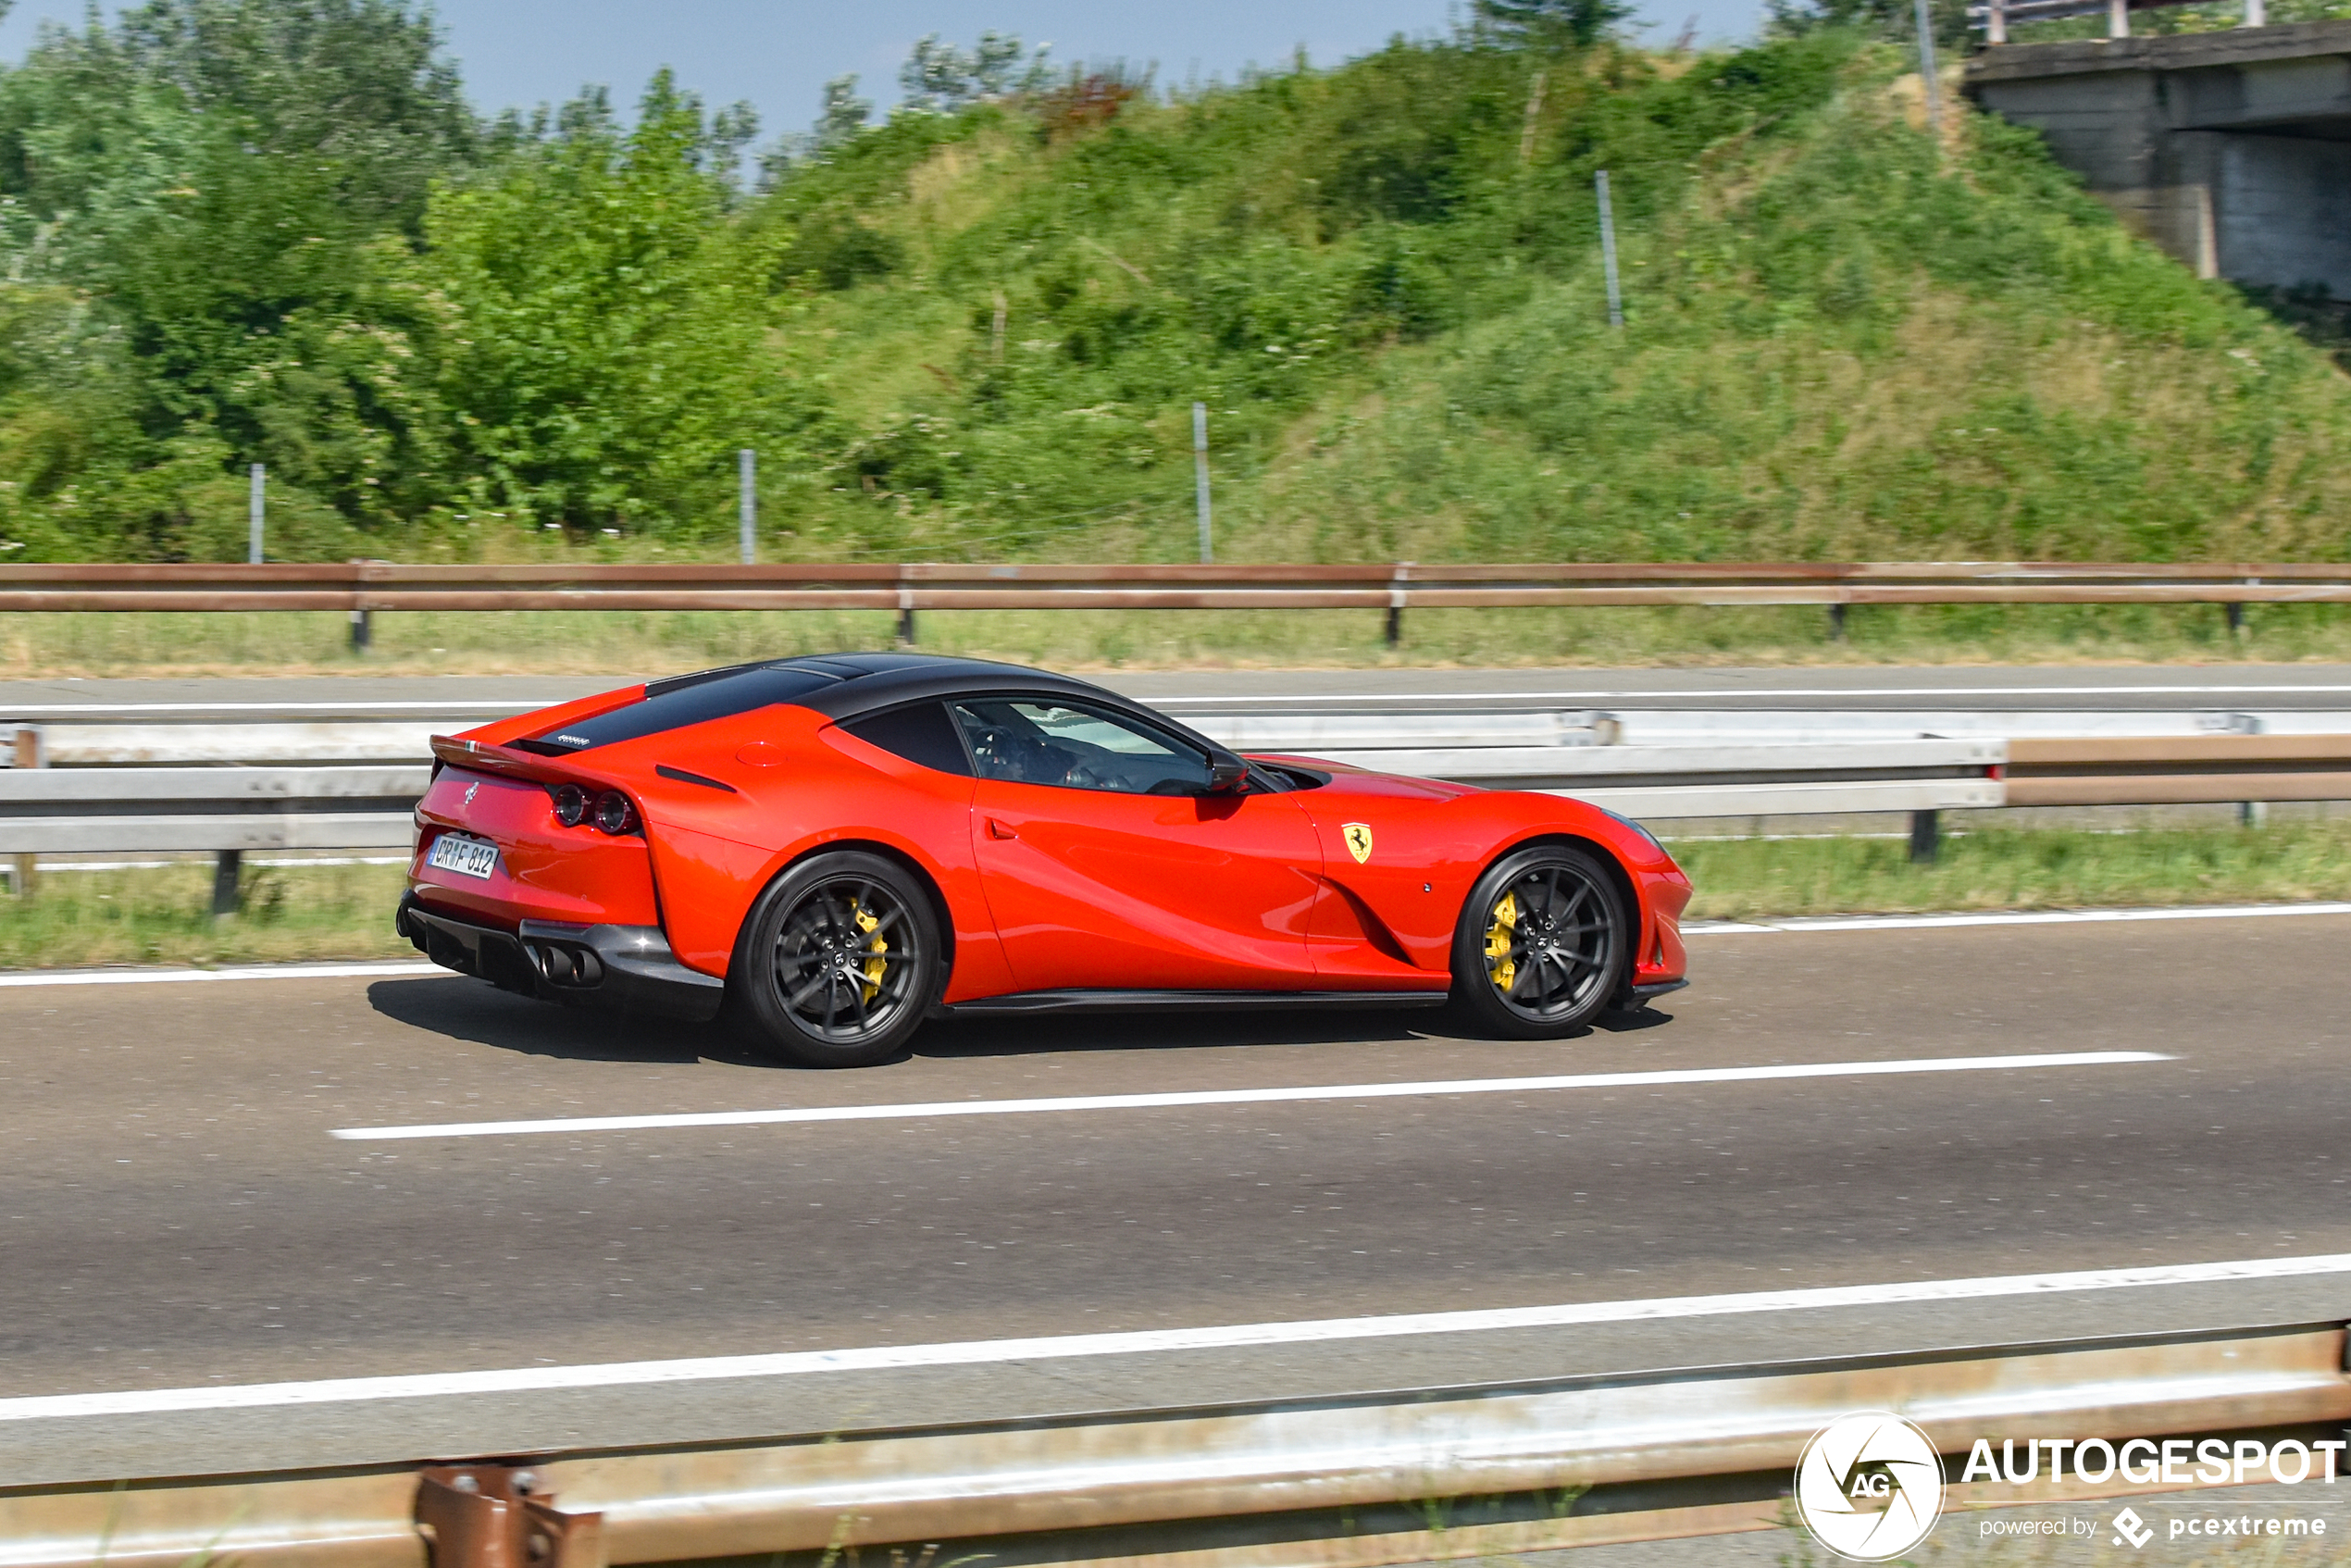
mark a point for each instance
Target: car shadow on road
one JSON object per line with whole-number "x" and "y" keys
{"x": 460, "y": 1008}
{"x": 1044, "y": 1034}
{"x": 473, "y": 1010}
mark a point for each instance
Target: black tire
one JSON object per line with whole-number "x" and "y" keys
{"x": 839, "y": 964}
{"x": 1543, "y": 945}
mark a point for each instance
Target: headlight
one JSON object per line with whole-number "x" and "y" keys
{"x": 571, "y": 806}
{"x": 613, "y": 814}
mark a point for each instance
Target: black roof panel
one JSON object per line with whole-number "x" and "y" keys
{"x": 840, "y": 686}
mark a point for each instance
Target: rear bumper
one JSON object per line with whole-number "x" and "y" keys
{"x": 627, "y": 968}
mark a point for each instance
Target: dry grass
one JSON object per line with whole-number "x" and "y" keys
{"x": 588, "y": 643}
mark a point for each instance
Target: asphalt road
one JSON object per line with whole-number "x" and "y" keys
{"x": 1860, "y": 687}
{"x": 175, "y": 1212}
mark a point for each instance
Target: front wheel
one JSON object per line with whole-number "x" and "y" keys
{"x": 1543, "y": 945}
{"x": 838, "y": 963}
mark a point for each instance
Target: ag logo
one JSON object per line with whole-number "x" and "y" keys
{"x": 1870, "y": 1486}
{"x": 1359, "y": 841}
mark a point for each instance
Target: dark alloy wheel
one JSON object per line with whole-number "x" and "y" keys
{"x": 1543, "y": 945}
{"x": 839, "y": 962}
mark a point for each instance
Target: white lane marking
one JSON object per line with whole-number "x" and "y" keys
{"x": 1257, "y": 1096}
{"x": 2019, "y": 917}
{"x": 257, "y": 971}
{"x": 1678, "y": 693}
{"x": 256, "y": 1396}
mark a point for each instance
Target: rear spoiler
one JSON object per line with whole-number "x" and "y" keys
{"x": 481, "y": 757}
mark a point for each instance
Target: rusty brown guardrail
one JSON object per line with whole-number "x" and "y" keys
{"x": 1332, "y": 1482}
{"x": 361, "y": 587}
{"x": 2178, "y": 770}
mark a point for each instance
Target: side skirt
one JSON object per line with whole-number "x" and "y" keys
{"x": 1184, "y": 1002}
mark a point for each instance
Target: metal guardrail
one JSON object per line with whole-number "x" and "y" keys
{"x": 2180, "y": 770}
{"x": 1365, "y": 1479}
{"x": 63, "y": 809}
{"x": 97, "y": 792}
{"x": 361, "y": 587}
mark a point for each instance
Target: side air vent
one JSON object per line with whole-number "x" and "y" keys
{"x": 682, "y": 776}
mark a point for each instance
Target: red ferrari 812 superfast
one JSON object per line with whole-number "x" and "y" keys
{"x": 832, "y": 850}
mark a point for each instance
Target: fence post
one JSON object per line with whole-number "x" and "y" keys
{"x": 2118, "y": 18}
{"x": 1608, "y": 251}
{"x": 1199, "y": 479}
{"x": 2256, "y": 13}
{"x": 1927, "y": 75}
{"x": 253, "y": 513}
{"x": 1996, "y": 26}
{"x": 1926, "y": 837}
{"x": 747, "y": 476}
{"x": 27, "y": 753}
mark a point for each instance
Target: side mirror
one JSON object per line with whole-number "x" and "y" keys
{"x": 1226, "y": 775}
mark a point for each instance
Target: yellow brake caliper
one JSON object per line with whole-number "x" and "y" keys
{"x": 874, "y": 966}
{"x": 1499, "y": 962}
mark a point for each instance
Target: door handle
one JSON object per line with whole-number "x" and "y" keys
{"x": 998, "y": 830}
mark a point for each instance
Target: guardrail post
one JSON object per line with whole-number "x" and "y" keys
{"x": 27, "y": 753}
{"x": 905, "y": 610}
{"x": 226, "y": 870}
{"x": 1396, "y": 602}
{"x": 362, "y": 630}
{"x": 1926, "y": 837}
{"x": 489, "y": 1516}
{"x": 1836, "y": 623}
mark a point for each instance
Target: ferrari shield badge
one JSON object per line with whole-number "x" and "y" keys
{"x": 1358, "y": 840}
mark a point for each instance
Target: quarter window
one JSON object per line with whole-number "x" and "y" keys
{"x": 921, "y": 734}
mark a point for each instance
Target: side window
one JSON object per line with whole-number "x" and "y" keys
{"x": 922, "y": 734}
{"x": 1033, "y": 740}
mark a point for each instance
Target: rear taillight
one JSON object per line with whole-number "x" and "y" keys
{"x": 571, "y": 806}
{"x": 613, "y": 814}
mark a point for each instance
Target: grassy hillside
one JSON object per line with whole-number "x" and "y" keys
{"x": 978, "y": 333}
{"x": 1385, "y": 281}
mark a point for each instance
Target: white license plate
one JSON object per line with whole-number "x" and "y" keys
{"x": 466, "y": 857}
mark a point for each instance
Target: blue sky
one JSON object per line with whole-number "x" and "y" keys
{"x": 778, "y": 53}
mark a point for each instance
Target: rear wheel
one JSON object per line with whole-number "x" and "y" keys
{"x": 839, "y": 964}
{"x": 1543, "y": 945}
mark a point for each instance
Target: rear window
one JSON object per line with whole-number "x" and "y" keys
{"x": 674, "y": 705}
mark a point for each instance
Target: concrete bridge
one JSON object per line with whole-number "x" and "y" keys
{"x": 2231, "y": 150}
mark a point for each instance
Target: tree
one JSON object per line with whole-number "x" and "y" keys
{"x": 1579, "y": 23}
{"x": 233, "y": 186}
{"x": 940, "y": 79}
{"x": 599, "y": 323}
